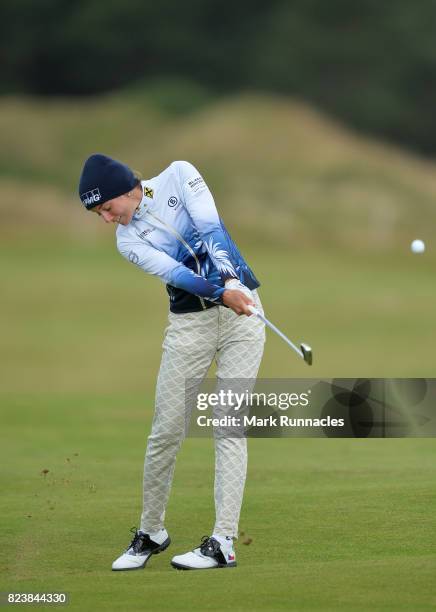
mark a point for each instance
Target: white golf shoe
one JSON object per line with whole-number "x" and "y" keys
{"x": 140, "y": 549}
{"x": 211, "y": 554}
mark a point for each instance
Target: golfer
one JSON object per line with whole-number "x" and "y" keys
{"x": 169, "y": 227}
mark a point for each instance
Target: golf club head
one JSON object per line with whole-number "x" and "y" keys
{"x": 307, "y": 353}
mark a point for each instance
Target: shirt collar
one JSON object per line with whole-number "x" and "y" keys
{"x": 144, "y": 203}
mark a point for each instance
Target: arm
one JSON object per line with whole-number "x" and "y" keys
{"x": 176, "y": 274}
{"x": 202, "y": 210}
{"x": 169, "y": 270}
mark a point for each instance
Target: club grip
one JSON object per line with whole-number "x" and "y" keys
{"x": 253, "y": 309}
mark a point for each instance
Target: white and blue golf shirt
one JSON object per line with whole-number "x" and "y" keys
{"x": 177, "y": 235}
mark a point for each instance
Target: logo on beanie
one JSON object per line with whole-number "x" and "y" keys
{"x": 91, "y": 197}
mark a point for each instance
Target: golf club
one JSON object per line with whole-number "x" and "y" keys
{"x": 304, "y": 351}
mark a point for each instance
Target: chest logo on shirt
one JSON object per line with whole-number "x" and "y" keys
{"x": 145, "y": 233}
{"x": 173, "y": 202}
{"x": 148, "y": 192}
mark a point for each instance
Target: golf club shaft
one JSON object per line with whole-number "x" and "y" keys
{"x": 275, "y": 329}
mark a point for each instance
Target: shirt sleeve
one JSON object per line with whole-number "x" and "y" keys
{"x": 201, "y": 208}
{"x": 169, "y": 270}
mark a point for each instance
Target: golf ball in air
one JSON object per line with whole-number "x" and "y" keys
{"x": 417, "y": 246}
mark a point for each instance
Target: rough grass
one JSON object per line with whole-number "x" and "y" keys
{"x": 281, "y": 172}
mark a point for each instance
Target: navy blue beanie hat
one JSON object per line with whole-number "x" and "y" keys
{"x": 104, "y": 178}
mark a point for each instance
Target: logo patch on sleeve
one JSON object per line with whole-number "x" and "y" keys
{"x": 133, "y": 257}
{"x": 197, "y": 184}
{"x": 148, "y": 192}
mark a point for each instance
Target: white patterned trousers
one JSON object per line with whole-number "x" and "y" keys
{"x": 191, "y": 343}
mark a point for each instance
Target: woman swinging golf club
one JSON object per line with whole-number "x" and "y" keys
{"x": 169, "y": 227}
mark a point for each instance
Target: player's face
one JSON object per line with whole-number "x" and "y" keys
{"x": 117, "y": 210}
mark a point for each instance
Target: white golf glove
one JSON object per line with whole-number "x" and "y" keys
{"x": 235, "y": 283}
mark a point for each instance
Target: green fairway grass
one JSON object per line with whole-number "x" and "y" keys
{"x": 335, "y": 524}
{"x": 79, "y": 317}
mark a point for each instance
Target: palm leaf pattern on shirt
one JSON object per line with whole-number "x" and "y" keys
{"x": 204, "y": 267}
{"x": 220, "y": 258}
{"x": 199, "y": 246}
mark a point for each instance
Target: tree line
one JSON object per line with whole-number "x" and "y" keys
{"x": 370, "y": 63}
